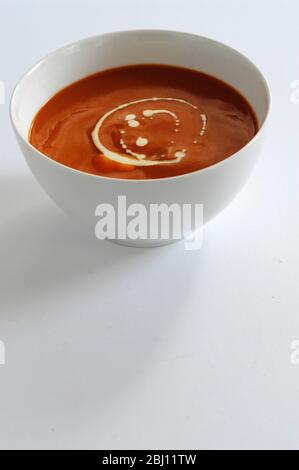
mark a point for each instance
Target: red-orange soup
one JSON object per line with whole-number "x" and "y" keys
{"x": 144, "y": 121}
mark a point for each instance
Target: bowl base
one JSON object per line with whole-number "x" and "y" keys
{"x": 144, "y": 243}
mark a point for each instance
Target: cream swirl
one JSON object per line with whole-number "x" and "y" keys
{"x": 132, "y": 121}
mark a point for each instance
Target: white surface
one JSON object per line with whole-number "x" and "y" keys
{"x": 112, "y": 347}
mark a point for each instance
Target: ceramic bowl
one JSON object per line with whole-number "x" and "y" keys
{"x": 79, "y": 193}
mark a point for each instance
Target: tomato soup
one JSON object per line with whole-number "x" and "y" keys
{"x": 143, "y": 121}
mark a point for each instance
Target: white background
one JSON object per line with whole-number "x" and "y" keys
{"x": 112, "y": 347}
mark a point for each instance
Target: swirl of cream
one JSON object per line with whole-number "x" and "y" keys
{"x": 140, "y": 158}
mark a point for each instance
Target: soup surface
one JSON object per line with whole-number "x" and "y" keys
{"x": 143, "y": 121}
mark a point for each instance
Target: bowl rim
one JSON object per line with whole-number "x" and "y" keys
{"x": 140, "y": 31}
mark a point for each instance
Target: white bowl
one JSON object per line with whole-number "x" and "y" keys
{"x": 79, "y": 193}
